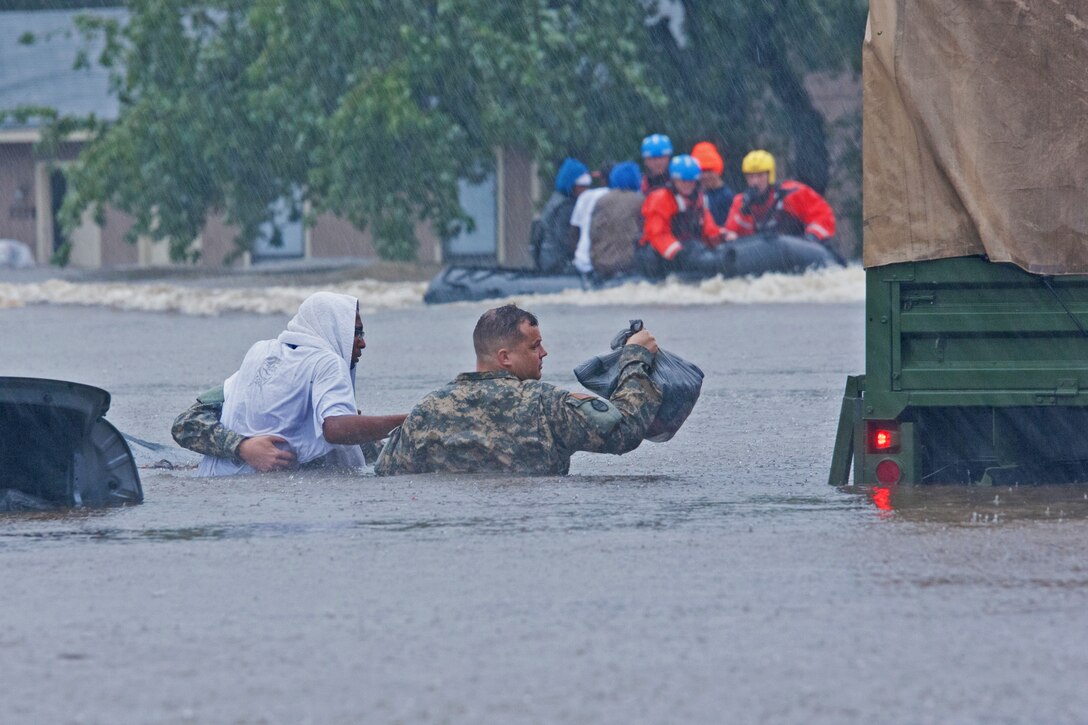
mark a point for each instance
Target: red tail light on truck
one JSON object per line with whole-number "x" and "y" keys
{"x": 883, "y": 436}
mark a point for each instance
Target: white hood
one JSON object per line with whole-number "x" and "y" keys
{"x": 325, "y": 320}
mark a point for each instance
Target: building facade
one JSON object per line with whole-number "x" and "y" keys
{"x": 32, "y": 187}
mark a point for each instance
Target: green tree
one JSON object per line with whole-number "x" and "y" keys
{"x": 185, "y": 144}
{"x": 8, "y": 5}
{"x": 374, "y": 109}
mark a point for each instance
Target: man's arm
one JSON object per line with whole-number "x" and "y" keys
{"x": 737, "y": 223}
{"x": 199, "y": 429}
{"x": 657, "y": 211}
{"x": 355, "y": 429}
{"x": 587, "y": 423}
{"x": 813, "y": 211}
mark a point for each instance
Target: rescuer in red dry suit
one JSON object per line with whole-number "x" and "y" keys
{"x": 787, "y": 208}
{"x": 678, "y": 234}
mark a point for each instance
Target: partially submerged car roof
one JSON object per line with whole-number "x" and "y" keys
{"x": 57, "y": 450}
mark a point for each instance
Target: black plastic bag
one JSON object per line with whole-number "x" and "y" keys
{"x": 680, "y": 382}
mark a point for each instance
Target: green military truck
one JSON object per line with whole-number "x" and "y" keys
{"x": 974, "y": 372}
{"x": 976, "y": 249}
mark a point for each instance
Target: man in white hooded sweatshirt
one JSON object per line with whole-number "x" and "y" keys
{"x": 299, "y": 391}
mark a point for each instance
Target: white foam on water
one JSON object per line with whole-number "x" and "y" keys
{"x": 816, "y": 286}
{"x": 187, "y": 300}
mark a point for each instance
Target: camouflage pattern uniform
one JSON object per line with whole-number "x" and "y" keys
{"x": 199, "y": 429}
{"x": 494, "y": 422}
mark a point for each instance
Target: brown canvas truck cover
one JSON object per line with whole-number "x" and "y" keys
{"x": 976, "y": 132}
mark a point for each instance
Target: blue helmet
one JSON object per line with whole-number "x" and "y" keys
{"x": 684, "y": 168}
{"x": 569, "y": 174}
{"x": 656, "y": 145}
{"x": 625, "y": 175}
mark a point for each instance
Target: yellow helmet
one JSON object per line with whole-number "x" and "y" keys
{"x": 758, "y": 161}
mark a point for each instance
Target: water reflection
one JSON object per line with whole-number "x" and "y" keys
{"x": 459, "y": 508}
{"x": 975, "y": 505}
{"x": 58, "y": 514}
{"x": 187, "y": 533}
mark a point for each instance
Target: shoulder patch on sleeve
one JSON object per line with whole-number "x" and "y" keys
{"x": 598, "y": 412}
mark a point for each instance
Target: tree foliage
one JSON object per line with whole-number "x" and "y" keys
{"x": 10, "y": 5}
{"x": 738, "y": 76}
{"x": 374, "y": 109}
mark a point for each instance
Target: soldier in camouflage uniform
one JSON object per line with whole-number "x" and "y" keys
{"x": 200, "y": 429}
{"x": 502, "y": 418}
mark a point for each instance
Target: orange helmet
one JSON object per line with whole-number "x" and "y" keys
{"x": 708, "y": 157}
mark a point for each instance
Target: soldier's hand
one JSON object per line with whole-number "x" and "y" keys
{"x": 262, "y": 453}
{"x": 644, "y": 338}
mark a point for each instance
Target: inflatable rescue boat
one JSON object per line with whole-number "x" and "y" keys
{"x": 745, "y": 257}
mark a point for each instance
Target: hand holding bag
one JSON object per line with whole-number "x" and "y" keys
{"x": 680, "y": 382}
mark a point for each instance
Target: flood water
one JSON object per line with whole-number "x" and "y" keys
{"x": 714, "y": 578}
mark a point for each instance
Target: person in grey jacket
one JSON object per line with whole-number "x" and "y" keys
{"x": 554, "y": 238}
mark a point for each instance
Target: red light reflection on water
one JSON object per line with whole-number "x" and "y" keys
{"x": 882, "y": 499}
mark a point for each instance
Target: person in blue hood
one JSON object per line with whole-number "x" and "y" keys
{"x": 553, "y": 237}
{"x": 616, "y": 223}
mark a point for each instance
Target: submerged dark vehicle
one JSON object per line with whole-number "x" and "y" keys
{"x": 56, "y": 449}
{"x": 745, "y": 257}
